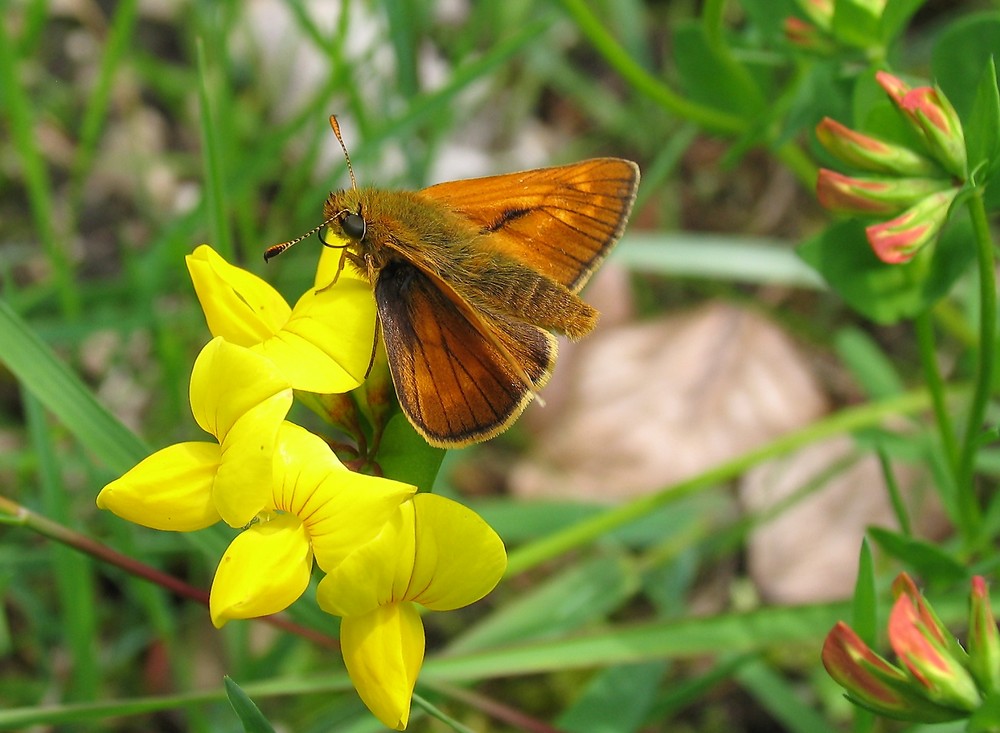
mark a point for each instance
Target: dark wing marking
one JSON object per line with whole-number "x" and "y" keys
{"x": 561, "y": 222}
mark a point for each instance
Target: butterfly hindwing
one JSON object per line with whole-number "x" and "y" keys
{"x": 460, "y": 377}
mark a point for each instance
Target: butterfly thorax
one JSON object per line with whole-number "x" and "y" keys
{"x": 403, "y": 225}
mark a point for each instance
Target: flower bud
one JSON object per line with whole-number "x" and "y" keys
{"x": 895, "y": 87}
{"x": 898, "y": 240}
{"x": 379, "y": 393}
{"x": 339, "y": 410}
{"x": 941, "y": 126}
{"x": 984, "y": 639}
{"x": 934, "y": 119}
{"x": 872, "y": 196}
{"x": 806, "y": 35}
{"x": 871, "y": 154}
{"x": 873, "y": 682}
{"x": 929, "y": 652}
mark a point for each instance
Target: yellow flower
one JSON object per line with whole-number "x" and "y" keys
{"x": 318, "y": 508}
{"x": 322, "y": 345}
{"x": 434, "y": 552}
{"x": 241, "y": 399}
{"x": 300, "y": 499}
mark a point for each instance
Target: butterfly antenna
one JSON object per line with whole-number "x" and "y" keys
{"x": 276, "y": 249}
{"x": 340, "y": 139}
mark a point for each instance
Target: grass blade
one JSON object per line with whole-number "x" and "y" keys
{"x": 61, "y": 391}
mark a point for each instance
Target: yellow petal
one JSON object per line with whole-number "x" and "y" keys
{"x": 332, "y": 267}
{"x": 459, "y": 558}
{"x": 342, "y": 510}
{"x": 376, "y": 574}
{"x": 326, "y": 345}
{"x": 245, "y": 480}
{"x": 227, "y": 381}
{"x": 383, "y": 651}
{"x": 238, "y": 305}
{"x": 369, "y": 501}
{"x": 264, "y": 571}
{"x": 169, "y": 490}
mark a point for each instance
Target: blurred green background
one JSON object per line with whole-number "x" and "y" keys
{"x": 131, "y": 132}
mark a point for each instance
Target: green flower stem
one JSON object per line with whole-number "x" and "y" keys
{"x": 924, "y": 327}
{"x": 895, "y": 496}
{"x": 968, "y": 505}
{"x": 13, "y": 513}
{"x": 799, "y": 163}
{"x": 583, "y": 533}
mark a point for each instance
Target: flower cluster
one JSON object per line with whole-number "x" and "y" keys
{"x": 935, "y": 679}
{"x": 909, "y": 191}
{"x": 381, "y": 546}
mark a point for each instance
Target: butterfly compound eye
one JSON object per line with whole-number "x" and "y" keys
{"x": 354, "y": 226}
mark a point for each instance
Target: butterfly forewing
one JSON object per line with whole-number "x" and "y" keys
{"x": 453, "y": 373}
{"x": 559, "y": 221}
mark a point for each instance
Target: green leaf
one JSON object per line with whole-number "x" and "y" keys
{"x": 961, "y": 53}
{"x": 404, "y": 455}
{"x": 895, "y": 16}
{"x": 926, "y": 559}
{"x": 768, "y": 17}
{"x": 868, "y": 364}
{"x": 982, "y": 133}
{"x": 585, "y": 594}
{"x": 249, "y": 714}
{"x": 713, "y": 79}
{"x": 888, "y": 293}
{"x": 864, "y": 605}
{"x": 855, "y": 24}
{"x": 599, "y": 707}
{"x": 822, "y": 92}
{"x": 633, "y": 642}
{"x": 782, "y": 698}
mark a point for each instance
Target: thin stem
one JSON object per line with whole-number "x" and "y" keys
{"x": 895, "y": 496}
{"x": 643, "y": 81}
{"x": 516, "y": 719}
{"x": 17, "y": 107}
{"x": 935, "y": 384}
{"x": 13, "y": 513}
{"x": 968, "y": 505}
{"x": 652, "y": 87}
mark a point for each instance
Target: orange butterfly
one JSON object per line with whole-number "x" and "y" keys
{"x": 469, "y": 278}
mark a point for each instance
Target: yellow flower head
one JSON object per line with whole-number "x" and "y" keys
{"x": 301, "y": 500}
{"x": 322, "y": 345}
{"x": 434, "y": 552}
{"x": 318, "y": 509}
